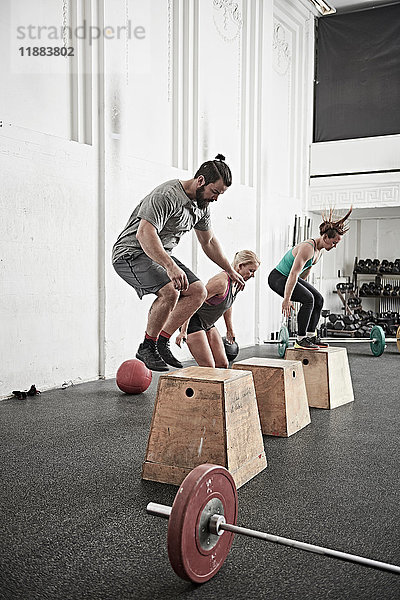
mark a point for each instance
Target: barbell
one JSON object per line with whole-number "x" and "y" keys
{"x": 377, "y": 340}
{"x": 202, "y": 525}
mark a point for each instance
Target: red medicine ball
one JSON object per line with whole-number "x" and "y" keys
{"x": 133, "y": 377}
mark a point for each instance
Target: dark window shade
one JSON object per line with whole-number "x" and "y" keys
{"x": 357, "y": 82}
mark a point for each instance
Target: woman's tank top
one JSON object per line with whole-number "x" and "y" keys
{"x": 214, "y": 307}
{"x": 285, "y": 265}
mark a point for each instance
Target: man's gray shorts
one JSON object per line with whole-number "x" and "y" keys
{"x": 147, "y": 276}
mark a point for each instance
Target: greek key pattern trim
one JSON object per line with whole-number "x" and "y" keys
{"x": 385, "y": 195}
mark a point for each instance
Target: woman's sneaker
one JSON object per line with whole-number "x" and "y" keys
{"x": 317, "y": 341}
{"x": 306, "y": 344}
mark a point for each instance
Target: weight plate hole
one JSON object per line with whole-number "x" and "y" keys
{"x": 305, "y": 361}
{"x": 294, "y": 373}
{"x": 189, "y": 392}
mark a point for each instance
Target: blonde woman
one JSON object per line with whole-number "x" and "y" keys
{"x": 203, "y": 338}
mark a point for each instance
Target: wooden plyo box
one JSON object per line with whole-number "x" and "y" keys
{"x": 204, "y": 415}
{"x": 281, "y": 394}
{"x": 327, "y": 375}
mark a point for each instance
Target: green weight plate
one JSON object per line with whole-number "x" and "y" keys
{"x": 283, "y": 340}
{"x": 377, "y": 342}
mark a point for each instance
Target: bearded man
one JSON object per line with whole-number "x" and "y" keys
{"x": 142, "y": 255}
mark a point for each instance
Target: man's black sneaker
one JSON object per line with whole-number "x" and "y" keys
{"x": 148, "y": 354}
{"x": 305, "y": 344}
{"x": 317, "y": 341}
{"x": 166, "y": 354}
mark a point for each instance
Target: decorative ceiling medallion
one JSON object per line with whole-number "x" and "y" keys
{"x": 281, "y": 51}
{"x": 227, "y": 19}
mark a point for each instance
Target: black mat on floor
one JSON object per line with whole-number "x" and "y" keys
{"x": 73, "y": 523}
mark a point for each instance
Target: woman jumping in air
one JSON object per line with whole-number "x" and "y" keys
{"x": 288, "y": 279}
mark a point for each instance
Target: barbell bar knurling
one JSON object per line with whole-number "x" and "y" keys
{"x": 217, "y": 524}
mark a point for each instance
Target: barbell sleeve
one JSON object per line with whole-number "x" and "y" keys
{"x": 159, "y": 510}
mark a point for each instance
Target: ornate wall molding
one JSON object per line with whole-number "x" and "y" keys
{"x": 281, "y": 50}
{"x": 227, "y": 19}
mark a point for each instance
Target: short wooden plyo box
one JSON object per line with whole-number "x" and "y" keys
{"x": 281, "y": 394}
{"x": 327, "y": 375}
{"x": 204, "y": 415}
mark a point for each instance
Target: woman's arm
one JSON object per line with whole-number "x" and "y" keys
{"x": 304, "y": 253}
{"x": 182, "y": 335}
{"x": 230, "y": 334}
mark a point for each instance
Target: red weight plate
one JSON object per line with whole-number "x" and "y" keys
{"x": 206, "y": 487}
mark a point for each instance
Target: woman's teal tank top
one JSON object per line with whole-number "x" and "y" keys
{"x": 285, "y": 265}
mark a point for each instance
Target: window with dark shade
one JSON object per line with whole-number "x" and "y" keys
{"x": 357, "y": 79}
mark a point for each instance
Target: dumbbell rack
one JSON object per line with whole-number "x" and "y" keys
{"x": 359, "y": 330}
{"x": 344, "y": 297}
{"x": 383, "y": 303}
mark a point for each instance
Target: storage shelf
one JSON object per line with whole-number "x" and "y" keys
{"x": 386, "y": 275}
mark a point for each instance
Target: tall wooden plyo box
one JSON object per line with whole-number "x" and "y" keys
{"x": 327, "y": 375}
{"x": 281, "y": 394}
{"x": 204, "y": 415}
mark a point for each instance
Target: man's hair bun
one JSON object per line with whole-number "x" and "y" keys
{"x": 212, "y": 170}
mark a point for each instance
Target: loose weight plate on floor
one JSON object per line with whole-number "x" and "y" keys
{"x": 194, "y": 553}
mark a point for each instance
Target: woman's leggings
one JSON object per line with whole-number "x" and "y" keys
{"x": 310, "y": 299}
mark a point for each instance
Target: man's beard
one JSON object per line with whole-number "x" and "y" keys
{"x": 201, "y": 202}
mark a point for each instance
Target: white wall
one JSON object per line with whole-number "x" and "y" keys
{"x": 49, "y": 258}
{"x": 49, "y": 303}
{"x": 364, "y": 155}
{"x": 35, "y": 89}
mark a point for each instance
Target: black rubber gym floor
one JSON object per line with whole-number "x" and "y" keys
{"x": 73, "y": 523}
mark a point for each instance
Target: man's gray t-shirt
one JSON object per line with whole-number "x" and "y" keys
{"x": 171, "y": 212}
